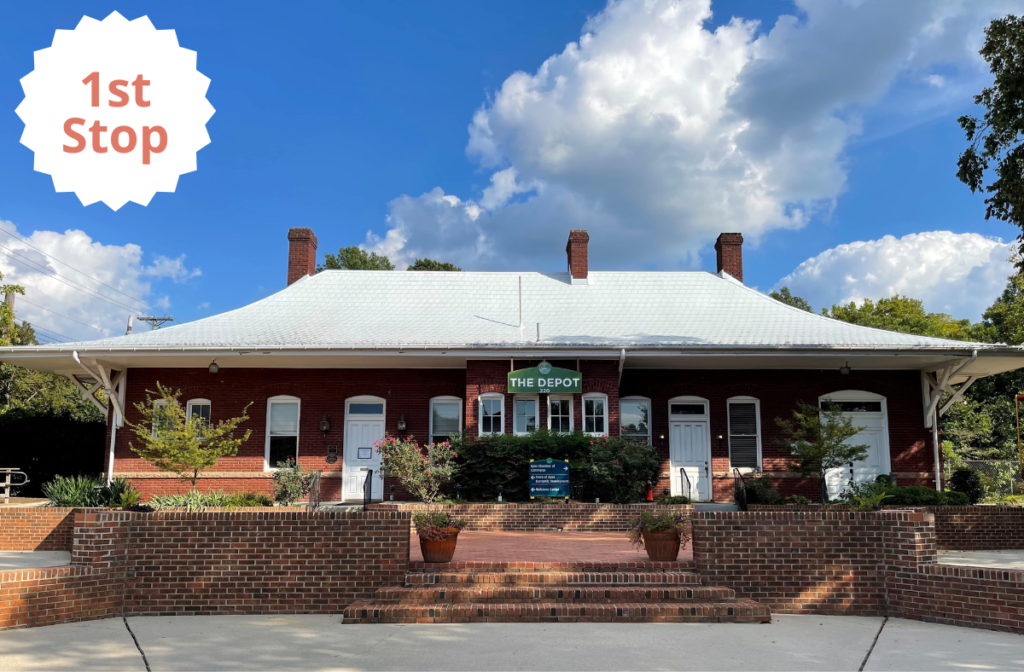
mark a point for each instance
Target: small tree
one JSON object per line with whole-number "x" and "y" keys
{"x": 422, "y": 474}
{"x": 183, "y": 445}
{"x": 818, "y": 438}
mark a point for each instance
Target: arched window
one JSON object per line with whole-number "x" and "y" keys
{"x": 199, "y": 408}
{"x": 282, "y": 442}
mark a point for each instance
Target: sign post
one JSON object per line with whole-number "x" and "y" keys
{"x": 549, "y": 478}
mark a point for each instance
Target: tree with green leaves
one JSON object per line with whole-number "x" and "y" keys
{"x": 818, "y": 439}
{"x": 431, "y": 265}
{"x": 787, "y": 298}
{"x": 10, "y": 333}
{"x": 907, "y": 315}
{"x": 183, "y": 445}
{"x": 994, "y": 141}
{"x": 353, "y": 258}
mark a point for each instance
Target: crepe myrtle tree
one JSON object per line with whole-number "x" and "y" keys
{"x": 176, "y": 443}
{"x": 818, "y": 439}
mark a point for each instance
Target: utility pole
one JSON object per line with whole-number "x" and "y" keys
{"x": 155, "y": 322}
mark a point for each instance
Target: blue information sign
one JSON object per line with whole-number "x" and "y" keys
{"x": 549, "y": 478}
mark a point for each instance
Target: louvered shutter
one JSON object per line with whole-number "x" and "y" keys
{"x": 743, "y": 434}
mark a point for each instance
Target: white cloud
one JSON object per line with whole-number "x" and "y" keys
{"x": 656, "y": 134}
{"x": 55, "y": 299}
{"x": 956, "y": 273}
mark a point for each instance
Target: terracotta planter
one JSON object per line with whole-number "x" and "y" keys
{"x": 442, "y": 550}
{"x": 662, "y": 546}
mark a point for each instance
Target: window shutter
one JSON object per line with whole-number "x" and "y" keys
{"x": 743, "y": 435}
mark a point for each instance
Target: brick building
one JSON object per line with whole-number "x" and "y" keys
{"x": 695, "y": 363}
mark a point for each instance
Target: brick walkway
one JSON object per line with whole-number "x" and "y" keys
{"x": 544, "y": 546}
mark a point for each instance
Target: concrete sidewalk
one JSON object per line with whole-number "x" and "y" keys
{"x": 320, "y": 643}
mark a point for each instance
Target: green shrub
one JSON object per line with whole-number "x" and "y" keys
{"x": 797, "y": 500}
{"x": 911, "y": 495}
{"x": 676, "y": 499}
{"x": 610, "y": 467}
{"x": 247, "y": 499}
{"x": 422, "y": 470}
{"x": 760, "y": 491}
{"x": 291, "y": 482}
{"x": 190, "y": 501}
{"x": 969, "y": 483}
{"x": 78, "y": 490}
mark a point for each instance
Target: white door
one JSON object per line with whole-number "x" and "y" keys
{"x": 360, "y": 457}
{"x": 872, "y": 434}
{"x": 688, "y": 451}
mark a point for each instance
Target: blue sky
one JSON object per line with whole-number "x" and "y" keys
{"x": 348, "y": 118}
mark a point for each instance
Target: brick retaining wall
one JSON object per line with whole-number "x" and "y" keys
{"x": 979, "y": 528}
{"x": 823, "y": 562}
{"x": 520, "y": 517}
{"x": 52, "y": 595}
{"x": 966, "y": 596}
{"x": 36, "y": 529}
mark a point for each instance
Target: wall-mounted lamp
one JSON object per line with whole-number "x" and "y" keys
{"x": 325, "y": 425}
{"x": 213, "y": 367}
{"x": 662, "y": 437}
{"x": 845, "y": 369}
{"x": 720, "y": 437}
{"x": 401, "y": 424}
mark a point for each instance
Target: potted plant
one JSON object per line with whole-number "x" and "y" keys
{"x": 661, "y": 535}
{"x": 438, "y": 533}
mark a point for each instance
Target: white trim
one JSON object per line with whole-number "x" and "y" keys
{"x": 281, "y": 399}
{"x": 885, "y": 463}
{"x": 197, "y": 402}
{"x": 706, "y": 416}
{"x": 594, "y": 396}
{"x": 561, "y": 397}
{"x": 442, "y": 400}
{"x": 742, "y": 399}
{"x": 650, "y": 414}
{"x": 480, "y": 413}
{"x": 536, "y": 409}
{"x": 366, "y": 399}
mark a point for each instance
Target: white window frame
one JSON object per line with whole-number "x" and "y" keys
{"x": 561, "y": 397}
{"x": 650, "y": 414}
{"x": 430, "y": 419}
{"x": 592, "y": 396}
{"x": 525, "y": 397}
{"x": 157, "y": 402}
{"x": 281, "y": 399}
{"x": 480, "y": 413}
{"x": 198, "y": 402}
{"x": 742, "y": 399}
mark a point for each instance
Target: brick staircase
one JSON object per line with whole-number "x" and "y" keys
{"x": 462, "y": 592}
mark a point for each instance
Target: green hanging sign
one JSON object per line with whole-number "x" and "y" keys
{"x": 545, "y": 379}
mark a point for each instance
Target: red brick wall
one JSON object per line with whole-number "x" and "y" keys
{"x": 979, "y": 528}
{"x": 301, "y": 253}
{"x": 778, "y": 392}
{"x": 36, "y": 529}
{"x": 528, "y": 517}
{"x": 255, "y": 562}
{"x": 35, "y": 597}
{"x": 729, "y": 254}
{"x": 823, "y": 562}
{"x": 967, "y": 596}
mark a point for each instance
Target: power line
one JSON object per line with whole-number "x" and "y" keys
{"x": 42, "y": 328}
{"x": 84, "y": 324}
{"x": 46, "y": 254}
{"x": 67, "y": 281}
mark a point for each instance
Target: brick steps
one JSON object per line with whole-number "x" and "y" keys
{"x": 740, "y": 611}
{"x": 656, "y": 578}
{"x": 557, "y": 593}
{"x": 536, "y": 566}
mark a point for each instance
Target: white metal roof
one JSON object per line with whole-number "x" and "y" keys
{"x": 393, "y": 309}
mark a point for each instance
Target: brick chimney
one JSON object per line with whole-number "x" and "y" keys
{"x": 576, "y": 250}
{"x": 301, "y": 253}
{"x": 729, "y": 249}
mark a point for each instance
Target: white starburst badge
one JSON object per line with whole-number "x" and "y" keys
{"x": 115, "y": 110}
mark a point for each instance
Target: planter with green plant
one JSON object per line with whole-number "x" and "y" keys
{"x": 661, "y": 534}
{"x": 438, "y": 533}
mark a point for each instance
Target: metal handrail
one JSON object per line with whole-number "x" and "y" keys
{"x": 6, "y": 483}
{"x": 314, "y": 492}
{"x": 739, "y": 489}
{"x": 368, "y": 489}
{"x": 686, "y": 488}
